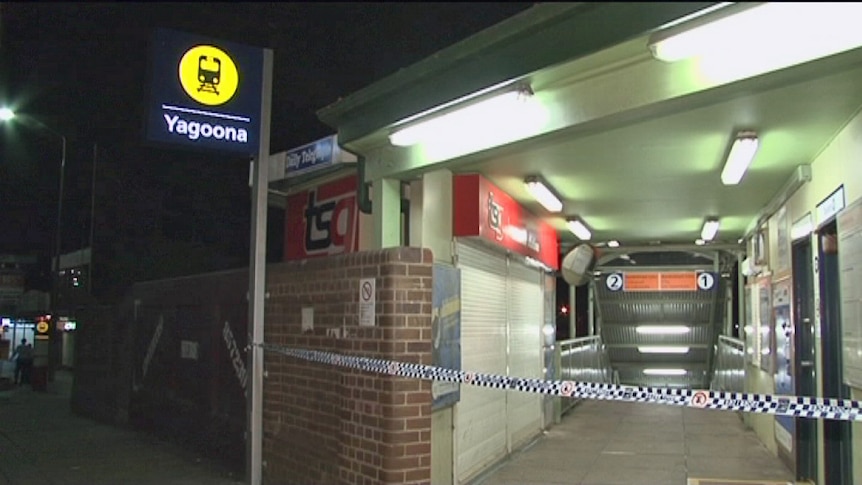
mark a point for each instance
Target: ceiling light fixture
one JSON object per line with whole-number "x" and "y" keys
{"x": 465, "y": 119}
{"x": 579, "y": 229}
{"x": 710, "y": 229}
{"x": 665, "y": 372}
{"x": 764, "y": 30}
{"x": 662, "y": 329}
{"x": 6, "y": 114}
{"x": 542, "y": 192}
{"x": 739, "y": 158}
{"x": 662, "y": 349}
{"x": 613, "y": 244}
{"x": 699, "y": 242}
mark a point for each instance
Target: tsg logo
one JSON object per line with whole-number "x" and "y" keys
{"x": 495, "y": 216}
{"x": 330, "y": 225}
{"x": 208, "y": 75}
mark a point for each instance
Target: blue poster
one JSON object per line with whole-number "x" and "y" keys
{"x": 446, "y": 329}
{"x": 785, "y": 431}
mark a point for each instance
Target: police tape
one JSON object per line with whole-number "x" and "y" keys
{"x": 793, "y": 406}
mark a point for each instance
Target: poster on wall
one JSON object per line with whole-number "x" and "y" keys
{"x": 850, "y": 269}
{"x": 446, "y": 330}
{"x": 782, "y": 262}
{"x": 752, "y": 342}
{"x": 766, "y": 330}
{"x": 784, "y": 355}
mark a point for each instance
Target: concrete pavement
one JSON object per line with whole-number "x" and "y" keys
{"x": 43, "y": 443}
{"x": 620, "y": 443}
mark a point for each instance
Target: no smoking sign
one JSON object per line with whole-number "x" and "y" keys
{"x": 367, "y": 302}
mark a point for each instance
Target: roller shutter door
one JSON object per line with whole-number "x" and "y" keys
{"x": 480, "y": 416}
{"x": 526, "y": 317}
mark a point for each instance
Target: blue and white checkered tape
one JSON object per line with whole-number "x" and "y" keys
{"x": 794, "y": 406}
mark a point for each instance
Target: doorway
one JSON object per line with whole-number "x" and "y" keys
{"x": 805, "y": 444}
{"x": 836, "y": 434}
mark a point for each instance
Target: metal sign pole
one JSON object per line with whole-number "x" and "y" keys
{"x": 257, "y": 282}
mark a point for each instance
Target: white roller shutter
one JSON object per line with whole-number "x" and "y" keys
{"x": 480, "y": 416}
{"x": 526, "y": 317}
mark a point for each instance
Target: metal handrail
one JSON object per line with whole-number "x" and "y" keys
{"x": 729, "y": 372}
{"x": 583, "y": 359}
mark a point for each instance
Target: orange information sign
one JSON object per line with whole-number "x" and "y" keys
{"x": 679, "y": 281}
{"x": 642, "y": 282}
{"x": 673, "y": 281}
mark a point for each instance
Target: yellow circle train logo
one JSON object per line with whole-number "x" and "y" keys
{"x": 42, "y": 327}
{"x": 208, "y": 75}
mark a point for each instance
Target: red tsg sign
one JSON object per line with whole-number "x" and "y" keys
{"x": 322, "y": 221}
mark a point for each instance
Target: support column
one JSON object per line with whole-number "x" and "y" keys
{"x": 573, "y": 311}
{"x": 434, "y": 226}
{"x": 386, "y": 200}
{"x": 591, "y": 322}
{"x": 437, "y": 214}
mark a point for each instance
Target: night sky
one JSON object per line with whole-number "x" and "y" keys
{"x": 81, "y": 68}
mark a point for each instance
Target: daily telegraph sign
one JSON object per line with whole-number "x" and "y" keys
{"x": 204, "y": 93}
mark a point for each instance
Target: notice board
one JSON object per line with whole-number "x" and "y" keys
{"x": 850, "y": 270}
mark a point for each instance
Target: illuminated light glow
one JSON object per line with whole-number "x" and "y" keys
{"x": 6, "y": 114}
{"x": 613, "y": 244}
{"x": 764, "y": 38}
{"x": 710, "y": 229}
{"x": 699, "y": 242}
{"x": 543, "y": 195}
{"x": 496, "y": 111}
{"x": 665, "y": 372}
{"x": 739, "y": 159}
{"x": 579, "y": 229}
{"x": 662, "y": 349}
{"x": 195, "y": 130}
{"x": 662, "y": 329}
{"x": 797, "y": 32}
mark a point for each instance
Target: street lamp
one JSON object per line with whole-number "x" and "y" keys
{"x": 7, "y": 114}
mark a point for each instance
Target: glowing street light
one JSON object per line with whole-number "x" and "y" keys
{"x": 7, "y": 114}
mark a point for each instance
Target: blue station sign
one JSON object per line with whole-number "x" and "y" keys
{"x": 204, "y": 93}
{"x": 315, "y": 157}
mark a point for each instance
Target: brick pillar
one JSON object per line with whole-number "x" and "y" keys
{"x": 327, "y": 424}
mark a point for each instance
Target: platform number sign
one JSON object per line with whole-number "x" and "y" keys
{"x": 705, "y": 281}
{"x": 614, "y": 282}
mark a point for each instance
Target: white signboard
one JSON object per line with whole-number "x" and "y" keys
{"x": 850, "y": 269}
{"x": 189, "y": 350}
{"x": 307, "y": 319}
{"x": 367, "y": 302}
{"x": 830, "y": 206}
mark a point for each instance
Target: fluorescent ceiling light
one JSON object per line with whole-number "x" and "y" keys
{"x": 467, "y": 119}
{"x": 662, "y": 329}
{"x": 699, "y": 242}
{"x": 662, "y": 349}
{"x": 540, "y": 191}
{"x": 6, "y": 114}
{"x": 613, "y": 244}
{"x": 796, "y": 32}
{"x": 579, "y": 229}
{"x": 710, "y": 229}
{"x": 665, "y": 372}
{"x": 740, "y": 157}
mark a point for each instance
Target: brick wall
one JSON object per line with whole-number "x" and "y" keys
{"x": 326, "y": 424}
